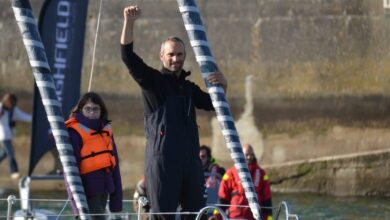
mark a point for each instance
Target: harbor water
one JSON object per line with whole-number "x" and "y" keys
{"x": 306, "y": 206}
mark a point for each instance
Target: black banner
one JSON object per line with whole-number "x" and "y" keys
{"x": 62, "y": 28}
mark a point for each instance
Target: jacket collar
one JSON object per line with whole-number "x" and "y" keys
{"x": 252, "y": 166}
{"x": 182, "y": 76}
{"x": 95, "y": 124}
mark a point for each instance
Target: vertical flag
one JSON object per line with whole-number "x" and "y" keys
{"x": 62, "y": 28}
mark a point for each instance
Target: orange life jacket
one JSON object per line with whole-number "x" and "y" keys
{"x": 97, "y": 150}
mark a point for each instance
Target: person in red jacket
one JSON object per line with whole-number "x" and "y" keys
{"x": 231, "y": 191}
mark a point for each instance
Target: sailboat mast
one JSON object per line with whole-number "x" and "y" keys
{"x": 45, "y": 83}
{"x": 197, "y": 35}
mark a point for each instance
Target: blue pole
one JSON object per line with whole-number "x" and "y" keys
{"x": 45, "y": 83}
{"x": 198, "y": 39}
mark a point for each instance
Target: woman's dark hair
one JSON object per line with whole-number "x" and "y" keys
{"x": 95, "y": 98}
{"x": 207, "y": 149}
{"x": 10, "y": 98}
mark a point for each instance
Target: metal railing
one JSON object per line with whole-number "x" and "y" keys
{"x": 281, "y": 212}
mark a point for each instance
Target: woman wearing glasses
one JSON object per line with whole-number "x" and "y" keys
{"x": 94, "y": 149}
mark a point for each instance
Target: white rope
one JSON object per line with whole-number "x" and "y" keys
{"x": 94, "y": 47}
{"x": 63, "y": 209}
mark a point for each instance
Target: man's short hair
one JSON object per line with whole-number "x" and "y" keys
{"x": 172, "y": 39}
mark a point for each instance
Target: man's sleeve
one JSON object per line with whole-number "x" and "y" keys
{"x": 266, "y": 198}
{"x": 144, "y": 75}
{"x": 224, "y": 190}
{"x": 202, "y": 99}
{"x": 266, "y": 192}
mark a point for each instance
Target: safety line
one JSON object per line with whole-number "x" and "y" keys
{"x": 94, "y": 47}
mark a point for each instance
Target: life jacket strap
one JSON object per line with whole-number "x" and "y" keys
{"x": 93, "y": 154}
{"x": 101, "y": 132}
